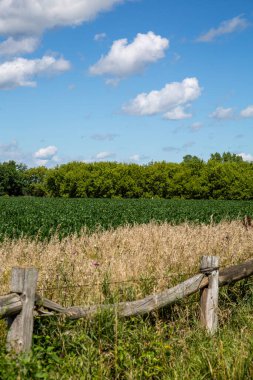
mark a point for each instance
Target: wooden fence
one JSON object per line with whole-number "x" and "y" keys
{"x": 23, "y": 303}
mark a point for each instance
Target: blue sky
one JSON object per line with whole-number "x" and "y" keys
{"x": 129, "y": 81}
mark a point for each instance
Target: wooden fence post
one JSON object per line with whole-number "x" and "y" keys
{"x": 209, "y": 295}
{"x": 23, "y": 282}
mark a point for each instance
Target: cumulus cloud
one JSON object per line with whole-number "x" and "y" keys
{"x": 20, "y": 71}
{"x": 44, "y": 155}
{"x": 99, "y": 36}
{"x": 222, "y": 113}
{"x": 125, "y": 58}
{"x": 246, "y": 157}
{"x": 247, "y": 112}
{"x": 170, "y": 101}
{"x": 226, "y": 27}
{"x": 104, "y": 155}
{"x": 13, "y": 47}
{"x": 34, "y": 16}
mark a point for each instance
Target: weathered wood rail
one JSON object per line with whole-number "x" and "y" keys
{"x": 23, "y": 303}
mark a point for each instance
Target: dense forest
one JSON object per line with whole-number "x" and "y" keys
{"x": 224, "y": 176}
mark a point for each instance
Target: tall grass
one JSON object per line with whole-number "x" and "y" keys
{"x": 124, "y": 264}
{"x": 146, "y": 258}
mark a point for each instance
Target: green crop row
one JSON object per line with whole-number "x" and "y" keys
{"x": 43, "y": 217}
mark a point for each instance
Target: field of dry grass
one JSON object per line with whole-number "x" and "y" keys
{"x": 103, "y": 267}
{"x": 75, "y": 269}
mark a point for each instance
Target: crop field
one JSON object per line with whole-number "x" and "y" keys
{"x": 44, "y": 217}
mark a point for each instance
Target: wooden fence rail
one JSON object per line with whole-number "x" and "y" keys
{"x": 23, "y": 303}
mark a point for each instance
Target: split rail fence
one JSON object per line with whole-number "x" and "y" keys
{"x": 23, "y": 303}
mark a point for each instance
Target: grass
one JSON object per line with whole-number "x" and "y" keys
{"x": 136, "y": 260}
{"x": 166, "y": 345}
{"x": 125, "y": 264}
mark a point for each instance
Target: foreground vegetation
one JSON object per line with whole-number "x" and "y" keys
{"x": 44, "y": 217}
{"x": 125, "y": 264}
{"x": 224, "y": 176}
{"x": 169, "y": 345}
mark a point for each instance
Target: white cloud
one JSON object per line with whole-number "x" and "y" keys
{"x": 138, "y": 157}
{"x": 247, "y": 112}
{"x": 223, "y": 113}
{"x": 20, "y": 71}
{"x": 12, "y": 47}
{"x": 47, "y": 153}
{"x": 34, "y": 16}
{"x": 126, "y": 59}
{"x": 177, "y": 113}
{"x": 246, "y": 157}
{"x": 99, "y": 37}
{"x": 228, "y": 26}
{"x": 104, "y": 155}
{"x": 169, "y": 101}
{"x": 12, "y": 151}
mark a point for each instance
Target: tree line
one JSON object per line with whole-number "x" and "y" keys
{"x": 222, "y": 176}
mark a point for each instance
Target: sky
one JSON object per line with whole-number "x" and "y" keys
{"x": 125, "y": 80}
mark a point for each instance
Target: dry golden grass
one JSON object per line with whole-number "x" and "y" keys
{"x": 157, "y": 255}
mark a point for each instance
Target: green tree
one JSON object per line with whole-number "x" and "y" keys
{"x": 12, "y": 178}
{"x": 35, "y": 178}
